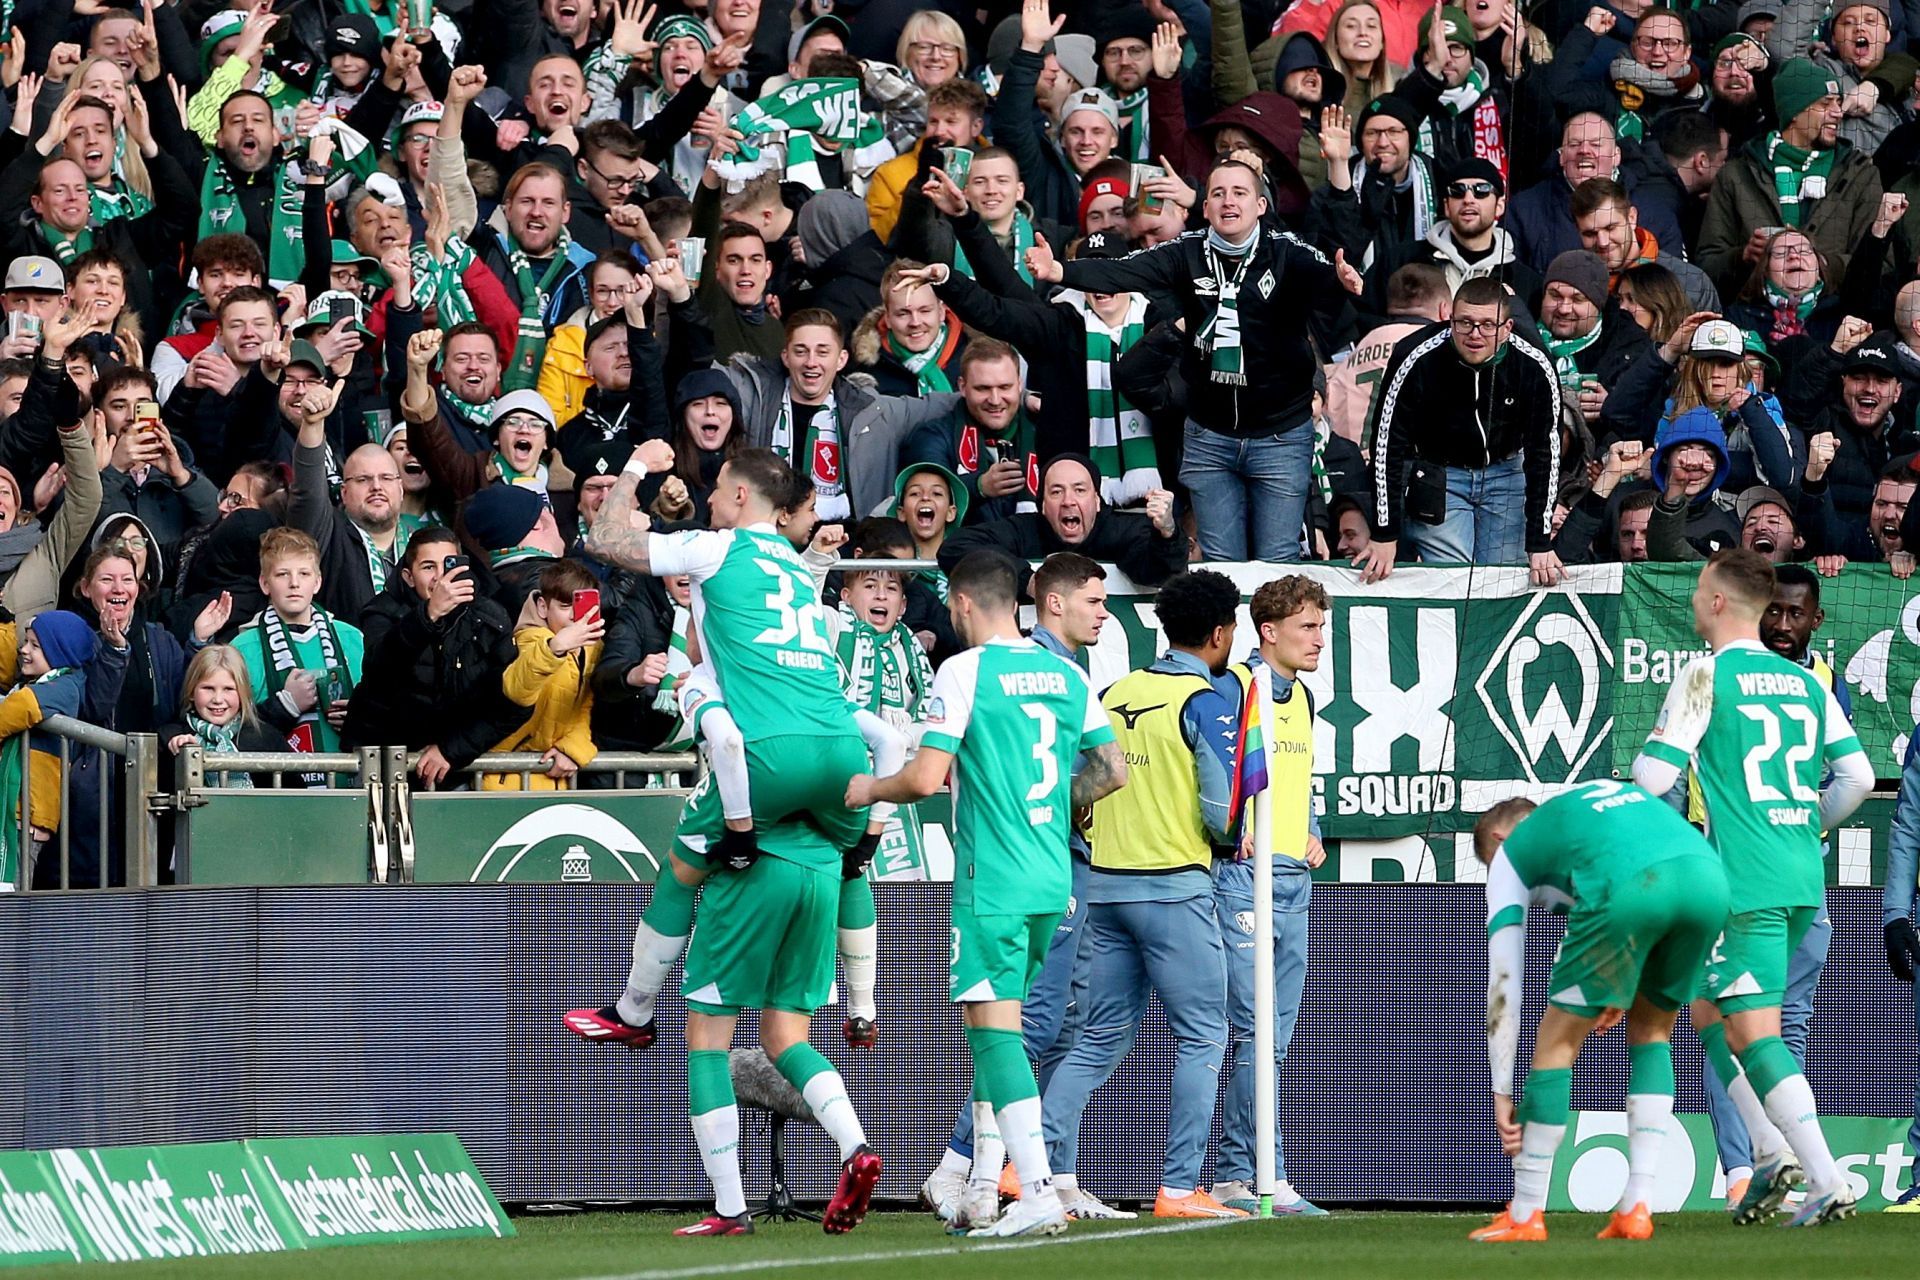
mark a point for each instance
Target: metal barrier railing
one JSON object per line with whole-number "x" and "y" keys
{"x": 139, "y": 771}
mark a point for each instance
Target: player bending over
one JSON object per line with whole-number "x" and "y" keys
{"x": 1760, "y": 730}
{"x": 1644, "y": 897}
{"x": 1008, "y": 717}
{"x": 766, "y": 942}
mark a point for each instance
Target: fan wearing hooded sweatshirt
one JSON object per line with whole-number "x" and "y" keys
{"x": 1467, "y": 244}
{"x": 52, "y": 660}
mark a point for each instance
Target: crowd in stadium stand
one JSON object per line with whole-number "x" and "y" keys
{"x": 330, "y": 327}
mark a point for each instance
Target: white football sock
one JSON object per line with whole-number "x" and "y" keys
{"x": 826, "y": 1093}
{"x": 1533, "y": 1168}
{"x": 718, "y": 1133}
{"x": 859, "y": 959}
{"x": 1763, "y": 1136}
{"x": 1020, "y": 1132}
{"x": 989, "y": 1153}
{"x": 653, "y": 955}
{"x": 1790, "y": 1105}
{"x": 953, "y": 1164}
{"x": 1647, "y": 1116}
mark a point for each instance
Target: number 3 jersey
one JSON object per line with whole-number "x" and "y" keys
{"x": 1760, "y": 732}
{"x": 1013, "y": 716}
{"x": 757, "y": 611}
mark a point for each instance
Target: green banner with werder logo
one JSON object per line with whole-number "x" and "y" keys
{"x": 264, "y": 1195}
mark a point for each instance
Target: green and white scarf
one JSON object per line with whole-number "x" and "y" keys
{"x": 1120, "y": 435}
{"x": 1799, "y": 174}
{"x": 925, "y": 365}
{"x": 1426, "y": 205}
{"x": 276, "y": 648}
{"x": 829, "y": 483}
{"x": 535, "y": 480}
{"x": 1461, "y": 98}
{"x": 220, "y": 740}
{"x": 477, "y": 416}
{"x": 116, "y": 201}
{"x": 514, "y": 555}
{"x": 13, "y": 769}
{"x": 378, "y": 565}
{"x": 1225, "y": 357}
{"x": 65, "y": 248}
{"x": 1021, "y": 240}
{"x": 536, "y": 296}
{"x": 800, "y": 116}
{"x": 220, "y": 215}
{"x": 1134, "y": 143}
{"x": 668, "y": 699}
{"x": 1563, "y": 350}
{"x": 881, "y": 670}
{"x": 437, "y": 281}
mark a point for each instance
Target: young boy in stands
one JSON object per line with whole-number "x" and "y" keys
{"x": 296, "y": 652}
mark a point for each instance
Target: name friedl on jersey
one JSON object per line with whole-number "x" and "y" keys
{"x": 800, "y": 658}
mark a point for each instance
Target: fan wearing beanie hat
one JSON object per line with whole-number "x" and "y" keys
{"x": 1469, "y": 242}
{"x": 1591, "y": 342}
{"x": 1469, "y": 108}
{"x": 54, "y": 651}
{"x": 1802, "y": 175}
{"x": 1124, "y": 50}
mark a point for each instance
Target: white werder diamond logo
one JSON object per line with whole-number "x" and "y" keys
{"x": 1542, "y": 686}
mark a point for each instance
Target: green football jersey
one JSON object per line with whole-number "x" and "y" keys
{"x": 1573, "y": 846}
{"x": 758, "y": 614}
{"x": 1013, "y": 716}
{"x": 1760, "y": 732}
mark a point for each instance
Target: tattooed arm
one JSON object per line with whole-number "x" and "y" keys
{"x": 619, "y": 535}
{"x": 1103, "y": 771}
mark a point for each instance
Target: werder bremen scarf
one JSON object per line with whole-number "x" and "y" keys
{"x": 1134, "y": 145}
{"x": 1225, "y": 357}
{"x": 220, "y": 214}
{"x": 1635, "y": 84}
{"x": 1790, "y": 314}
{"x": 1376, "y": 197}
{"x": 1020, "y": 239}
{"x": 925, "y": 365}
{"x": 117, "y": 201}
{"x": 220, "y": 740}
{"x": 1120, "y": 435}
{"x": 1563, "y": 350}
{"x": 536, "y": 295}
{"x": 65, "y": 247}
{"x": 881, "y": 670}
{"x": 378, "y": 566}
{"x": 437, "y": 281}
{"x": 13, "y": 770}
{"x": 1799, "y": 174}
{"x": 1470, "y": 95}
{"x": 800, "y": 116}
{"x": 821, "y": 450}
{"x": 276, "y": 649}
{"x": 667, "y": 701}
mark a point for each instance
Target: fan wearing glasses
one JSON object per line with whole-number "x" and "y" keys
{"x": 1468, "y": 243}
{"x": 1466, "y": 443}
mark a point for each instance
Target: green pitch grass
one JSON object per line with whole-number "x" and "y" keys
{"x": 901, "y": 1246}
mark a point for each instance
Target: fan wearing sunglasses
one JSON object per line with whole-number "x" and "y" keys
{"x": 1467, "y": 244}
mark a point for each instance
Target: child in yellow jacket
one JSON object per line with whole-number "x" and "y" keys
{"x": 53, "y": 656}
{"x": 553, "y": 676}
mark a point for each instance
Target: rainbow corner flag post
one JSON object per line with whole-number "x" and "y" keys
{"x": 1250, "y": 752}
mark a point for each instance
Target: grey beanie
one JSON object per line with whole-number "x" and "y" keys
{"x": 829, "y": 222}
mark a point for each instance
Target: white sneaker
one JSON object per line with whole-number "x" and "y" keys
{"x": 1029, "y": 1216}
{"x": 978, "y": 1206}
{"x": 1084, "y": 1206}
{"x": 942, "y": 1191}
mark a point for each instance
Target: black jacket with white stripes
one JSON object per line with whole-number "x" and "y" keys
{"x": 1435, "y": 407}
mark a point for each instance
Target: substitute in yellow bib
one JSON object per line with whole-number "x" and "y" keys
{"x": 1150, "y": 918}
{"x": 1290, "y": 615}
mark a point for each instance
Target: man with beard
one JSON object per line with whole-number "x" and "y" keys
{"x": 628, "y": 398}
{"x": 247, "y": 188}
{"x": 1850, "y": 448}
{"x": 1858, "y": 38}
{"x": 1468, "y": 109}
{"x": 1382, "y": 196}
{"x": 1592, "y": 342}
{"x": 956, "y": 111}
{"x": 1146, "y": 546}
{"x": 1608, "y": 225}
{"x": 520, "y": 428}
{"x": 526, "y": 246}
{"x": 1541, "y": 217}
{"x": 1467, "y": 244}
{"x": 986, "y": 441}
{"x": 469, "y": 383}
{"x": 1768, "y": 525}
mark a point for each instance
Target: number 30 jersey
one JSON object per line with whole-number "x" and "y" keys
{"x": 1760, "y": 732}
{"x": 1014, "y": 717}
{"x": 762, "y": 626}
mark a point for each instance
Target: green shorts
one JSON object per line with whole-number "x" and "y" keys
{"x": 1645, "y": 934}
{"x": 765, "y": 940}
{"x": 1747, "y": 968}
{"x": 792, "y": 776}
{"x": 997, "y": 957}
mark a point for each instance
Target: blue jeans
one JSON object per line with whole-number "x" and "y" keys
{"x": 1233, "y": 904}
{"x": 1796, "y": 1019}
{"x": 1045, "y": 1013}
{"x": 1249, "y": 495}
{"x": 1486, "y": 517}
{"x": 1172, "y": 948}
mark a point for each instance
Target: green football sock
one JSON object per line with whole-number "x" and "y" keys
{"x": 1549, "y": 1095}
{"x": 1714, "y": 1040}
{"x": 856, "y": 903}
{"x": 1650, "y": 1068}
{"x": 825, "y": 1092}
{"x": 716, "y": 1126}
{"x": 1768, "y": 1061}
{"x": 670, "y": 911}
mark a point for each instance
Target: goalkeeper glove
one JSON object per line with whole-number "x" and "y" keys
{"x": 736, "y": 850}
{"x": 853, "y": 863}
{"x": 1903, "y": 948}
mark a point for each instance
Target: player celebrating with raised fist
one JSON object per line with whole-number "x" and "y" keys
{"x": 1008, "y": 717}
{"x": 1760, "y": 731}
{"x": 1645, "y": 897}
